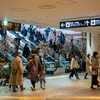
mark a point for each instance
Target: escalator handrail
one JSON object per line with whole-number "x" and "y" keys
{"x": 51, "y": 70}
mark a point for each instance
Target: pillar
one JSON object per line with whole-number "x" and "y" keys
{"x": 93, "y": 44}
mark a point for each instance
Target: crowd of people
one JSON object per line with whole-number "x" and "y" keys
{"x": 34, "y": 72}
{"x": 49, "y": 35}
{"x": 90, "y": 66}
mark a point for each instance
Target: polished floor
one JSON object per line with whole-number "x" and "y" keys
{"x": 58, "y": 87}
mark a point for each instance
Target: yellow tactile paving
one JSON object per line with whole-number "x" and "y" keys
{"x": 44, "y": 98}
{"x": 57, "y": 77}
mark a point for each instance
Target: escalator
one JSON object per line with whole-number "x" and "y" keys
{"x": 48, "y": 61}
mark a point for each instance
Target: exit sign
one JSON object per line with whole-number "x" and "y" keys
{"x": 5, "y": 22}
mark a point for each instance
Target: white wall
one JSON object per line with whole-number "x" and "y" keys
{"x": 95, "y": 44}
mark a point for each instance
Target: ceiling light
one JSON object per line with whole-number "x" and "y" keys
{"x": 66, "y": 2}
{"x": 19, "y": 9}
{"x": 46, "y": 6}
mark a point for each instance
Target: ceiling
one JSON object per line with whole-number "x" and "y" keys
{"x": 31, "y": 12}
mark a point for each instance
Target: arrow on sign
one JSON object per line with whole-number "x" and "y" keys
{"x": 87, "y": 22}
{"x": 62, "y": 25}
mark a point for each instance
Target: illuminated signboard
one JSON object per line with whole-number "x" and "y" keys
{"x": 14, "y": 26}
{"x": 5, "y": 22}
{"x": 80, "y": 23}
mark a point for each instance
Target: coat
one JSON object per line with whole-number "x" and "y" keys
{"x": 26, "y": 52}
{"x": 74, "y": 63}
{"x": 95, "y": 66}
{"x": 88, "y": 66}
{"x": 32, "y": 72}
{"x": 16, "y": 79}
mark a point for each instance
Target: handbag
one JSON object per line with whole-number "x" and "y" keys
{"x": 14, "y": 71}
{"x": 94, "y": 72}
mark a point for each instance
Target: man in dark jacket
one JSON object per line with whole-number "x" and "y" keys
{"x": 32, "y": 72}
{"x": 24, "y": 32}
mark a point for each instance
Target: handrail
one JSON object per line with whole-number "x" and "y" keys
{"x": 54, "y": 64}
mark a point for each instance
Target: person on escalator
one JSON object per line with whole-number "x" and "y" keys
{"x": 17, "y": 42}
{"x": 26, "y": 51}
{"x": 24, "y": 31}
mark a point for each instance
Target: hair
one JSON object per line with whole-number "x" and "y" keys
{"x": 95, "y": 53}
{"x": 74, "y": 56}
{"x": 17, "y": 53}
{"x": 42, "y": 68}
{"x": 33, "y": 51}
{"x": 26, "y": 45}
{"x": 88, "y": 55}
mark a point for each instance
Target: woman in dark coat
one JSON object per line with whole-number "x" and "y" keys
{"x": 95, "y": 67}
{"x": 26, "y": 51}
{"x": 32, "y": 72}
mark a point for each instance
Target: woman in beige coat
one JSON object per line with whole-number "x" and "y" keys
{"x": 88, "y": 66}
{"x": 16, "y": 78}
{"x": 74, "y": 65}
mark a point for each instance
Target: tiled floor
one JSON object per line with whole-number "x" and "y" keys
{"x": 58, "y": 87}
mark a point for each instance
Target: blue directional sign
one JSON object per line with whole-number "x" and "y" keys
{"x": 80, "y": 23}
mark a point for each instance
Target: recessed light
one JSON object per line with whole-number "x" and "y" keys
{"x": 46, "y": 6}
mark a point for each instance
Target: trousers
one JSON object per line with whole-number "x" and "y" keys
{"x": 74, "y": 72}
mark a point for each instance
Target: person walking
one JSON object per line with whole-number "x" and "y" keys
{"x": 74, "y": 65}
{"x": 95, "y": 67}
{"x": 32, "y": 72}
{"x": 9, "y": 73}
{"x": 84, "y": 61}
{"x": 42, "y": 74}
{"x": 26, "y": 51}
{"x": 16, "y": 77}
{"x": 88, "y": 66}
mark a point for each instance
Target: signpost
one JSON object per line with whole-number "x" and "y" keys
{"x": 80, "y": 23}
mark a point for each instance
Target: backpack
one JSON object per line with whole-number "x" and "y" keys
{"x": 30, "y": 63}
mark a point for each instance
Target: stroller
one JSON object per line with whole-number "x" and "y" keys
{"x": 4, "y": 77}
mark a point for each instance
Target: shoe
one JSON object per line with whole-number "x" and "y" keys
{"x": 32, "y": 88}
{"x": 43, "y": 87}
{"x": 18, "y": 88}
{"x": 78, "y": 78}
{"x": 98, "y": 86}
{"x": 10, "y": 89}
{"x": 70, "y": 77}
{"x": 85, "y": 78}
{"x": 92, "y": 87}
{"x": 22, "y": 89}
{"x": 15, "y": 91}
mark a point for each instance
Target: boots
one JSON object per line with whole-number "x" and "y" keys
{"x": 14, "y": 88}
{"x": 22, "y": 88}
{"x": 85, "y": 76}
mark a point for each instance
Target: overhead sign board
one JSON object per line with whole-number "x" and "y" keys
{"x": 80, "y": 23}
